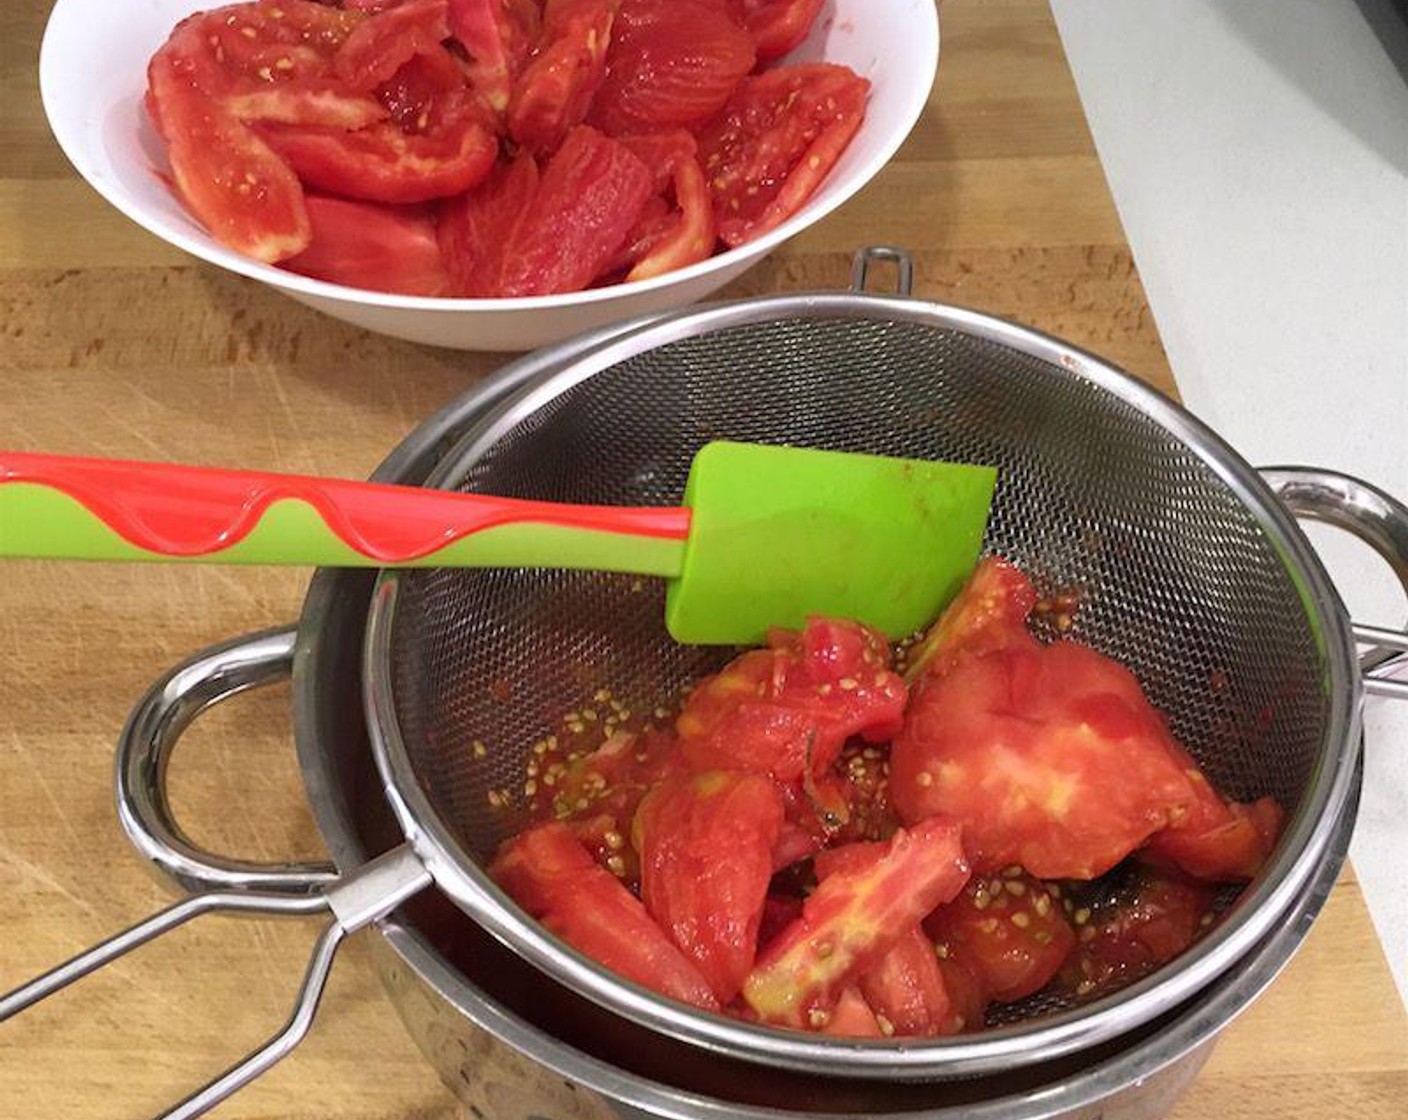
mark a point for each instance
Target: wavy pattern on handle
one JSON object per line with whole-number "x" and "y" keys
{"x": 96, "y": 509}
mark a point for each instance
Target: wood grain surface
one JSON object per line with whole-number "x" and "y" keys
{"x": 112, "y": 343}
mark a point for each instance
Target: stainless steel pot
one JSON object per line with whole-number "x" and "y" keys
{"x": 510, "y": 1017}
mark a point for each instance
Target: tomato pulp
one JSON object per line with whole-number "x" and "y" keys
{"x": 825, "y": 844}
{"x": 480, "y": 108}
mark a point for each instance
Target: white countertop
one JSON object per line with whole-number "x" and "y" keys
{"x": 1258, "y": 154}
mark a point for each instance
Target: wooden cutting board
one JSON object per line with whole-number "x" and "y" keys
{"x": 113, "y": 344}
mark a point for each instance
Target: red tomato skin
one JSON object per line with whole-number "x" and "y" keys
{"x": 555, "y": 90}
{"x": 851, "y": 920}
{"x": 380, "y": 248}
{"x": 672, "y": 64}
{"x": 788, "y": 710}
{"x": 589, "y": 196}
{"x": 777, "y": 26}
{"x": 1050, "y": 756}
{"x": 1008, "y": 931}
{"x": 246, "y": 195}
{"x": 548, "y": 872}
{"x": 705, "y": 843}
{"x": 775, "y": 141}
{"x": 478, "y": 226}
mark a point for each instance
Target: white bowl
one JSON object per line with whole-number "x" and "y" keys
{"x": 92, "y": 76}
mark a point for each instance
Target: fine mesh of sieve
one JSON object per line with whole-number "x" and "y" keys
{"x": 1176, "y": 576}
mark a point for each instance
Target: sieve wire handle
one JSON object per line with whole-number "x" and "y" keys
{"x": 217, "y": 884}
{"x": 362, "y": 897}
{"x": 1378, "y": 519}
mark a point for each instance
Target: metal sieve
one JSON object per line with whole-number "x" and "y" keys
{"x": 1189, "y": 568}
{"x": 1189, "y": 571}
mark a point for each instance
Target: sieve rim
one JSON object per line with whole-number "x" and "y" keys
{"x": 1258, "y": 911}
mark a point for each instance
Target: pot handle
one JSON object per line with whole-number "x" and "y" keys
{"x": 354, "y": 900}
{"x": 144, "y": 750}
{"x": 1378, "y": 519}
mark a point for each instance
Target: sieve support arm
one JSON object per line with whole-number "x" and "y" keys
{"x": 369, "y": 893}
{"x": 1379, "y": 520}
{"x": 217, "y": 884}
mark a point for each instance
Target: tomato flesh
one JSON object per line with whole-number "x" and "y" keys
{"x": 374, "y": 247}
{"x": 777, "y": 26}
{"x": 1153, "y": 920}
{"x": 477, "y": 226}
{"x": 451, "y": 153}
{"x": 852, "y": 919}
{"x": 906, "y": 989}
{"x": 1051, "y": 756}
{"x": 788, "y": 710}
{"x": 672, "y": 64}
{"x": 1009, "y": 931}
{"x": 853, "y": 1017}
{"x": 990, "y": 612}
{"x": 1221, "y": 841}
{"x": 705, "y": 844}
{"x": 548, "y": 872}
{"x": 227, "y": 176}
{"x": 774, "y": 879}
{"x": 556, "y": 88}
{"x": 529, "y": 233}
{"x": 498, "y": 36}
{"x": 379, "y": 47}
{"x": 775, "y": 141}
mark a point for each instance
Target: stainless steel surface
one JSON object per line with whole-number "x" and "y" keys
{"x": 144, "y": 750}
{"x": 867, "y": 259}
{"x": 164, "y": 921}
{"x": 1190, "y": 571}
{"x": 1378, "y": 519}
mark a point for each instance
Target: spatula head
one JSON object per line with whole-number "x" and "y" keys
{"x": 781, "y": 533}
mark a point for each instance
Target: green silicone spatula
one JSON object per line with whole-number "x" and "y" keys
{"x": 766, "y": 535}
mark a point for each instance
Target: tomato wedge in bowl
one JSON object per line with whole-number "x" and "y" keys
{"x": 102, "y": 125}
